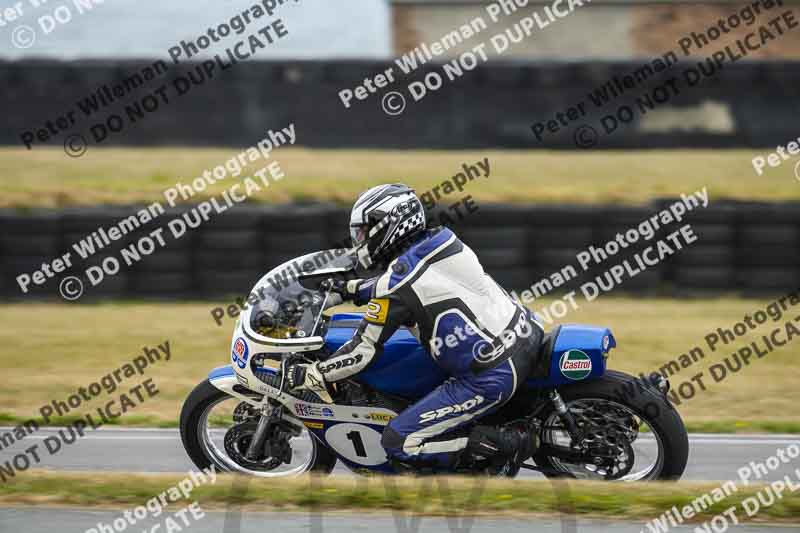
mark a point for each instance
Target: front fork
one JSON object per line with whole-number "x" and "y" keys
{"x": 269, "y": 416}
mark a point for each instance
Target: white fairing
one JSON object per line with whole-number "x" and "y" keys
{"x": 341, "y": 421}
{"x": 247, "y": 343}
{"x": 282, "y": 286}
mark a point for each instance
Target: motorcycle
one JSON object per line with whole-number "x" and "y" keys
{"x": 591, "y": 422}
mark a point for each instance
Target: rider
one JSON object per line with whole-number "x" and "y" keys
{"x": 481, "y": 337}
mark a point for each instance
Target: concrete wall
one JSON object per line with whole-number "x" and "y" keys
{"x": 745, "y": 104}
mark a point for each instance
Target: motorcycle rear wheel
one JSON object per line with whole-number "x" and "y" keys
{"x": 603, "y": 404}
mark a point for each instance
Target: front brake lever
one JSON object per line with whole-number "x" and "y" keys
{"x": 321, "y": 310}
{"x": 283, "y": 375}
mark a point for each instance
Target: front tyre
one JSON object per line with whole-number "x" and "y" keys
{"x": 630, "y": 430}
{"x": 206, "y": 416}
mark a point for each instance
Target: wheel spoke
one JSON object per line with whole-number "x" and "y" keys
{"x": 610, "y": 430}
{"x": 213, "y": 440}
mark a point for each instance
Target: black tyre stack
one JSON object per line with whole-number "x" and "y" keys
{"x": 768, "y": 248}
{"x": 229, "y": 253}
{"x": 740, "y": 247}
{"x": 620, "y": 221}
{"x": 498, "y": 235}
{"x": 709, "y": 264}
{"x": 557, "y": 235}
{"x": 26, "y": 241}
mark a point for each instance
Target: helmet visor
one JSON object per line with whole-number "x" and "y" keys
{"x": 358, "y": 234}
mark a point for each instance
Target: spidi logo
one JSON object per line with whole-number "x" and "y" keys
{"x": 575, "y": 364}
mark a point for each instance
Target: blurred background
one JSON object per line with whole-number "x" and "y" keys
{"x": 578, "y": 184}
{"x": 330, "y": 47}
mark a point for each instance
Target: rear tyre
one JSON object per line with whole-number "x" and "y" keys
{"x": 194, "y": 416}
{"x": 617, "y": 393}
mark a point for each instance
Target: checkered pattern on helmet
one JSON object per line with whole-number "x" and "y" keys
{"x": 379, "y": 226}
{"x": 409, "y": 225}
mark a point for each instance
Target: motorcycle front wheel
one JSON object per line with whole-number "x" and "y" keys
{"x": 211, "y": 436}
{"x": 630, "y": 432}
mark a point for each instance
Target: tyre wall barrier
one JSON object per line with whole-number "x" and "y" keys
{"x": 740, "y": 247}
{"x": 495, "y": 105}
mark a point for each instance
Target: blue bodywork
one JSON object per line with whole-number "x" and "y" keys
{"x": 406, "y": 369}
{"x": 221, "y": 372}
{"x": 586, "y": 339}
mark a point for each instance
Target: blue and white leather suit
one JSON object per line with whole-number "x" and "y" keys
{"x": 480, "y": 336}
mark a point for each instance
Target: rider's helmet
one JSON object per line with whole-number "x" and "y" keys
{"x": 384, "y": 219}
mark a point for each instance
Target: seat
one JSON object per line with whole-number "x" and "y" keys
{"x": 540, "y": 368}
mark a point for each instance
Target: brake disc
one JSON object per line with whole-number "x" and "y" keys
{"x": 613, "y": 454}
{"x": 237, "y": 440}
{"x": 608, "y": 437}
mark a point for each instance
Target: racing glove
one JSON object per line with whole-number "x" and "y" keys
{"x": 356, "y": 290}
{"x": 307, "y": 377}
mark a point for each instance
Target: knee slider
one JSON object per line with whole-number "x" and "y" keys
{"x": 392, "y": 441}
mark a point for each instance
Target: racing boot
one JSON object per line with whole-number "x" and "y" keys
{"x": 514, "y": 444}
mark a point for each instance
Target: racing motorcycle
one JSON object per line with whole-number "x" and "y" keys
{"x": 591, "y": 422}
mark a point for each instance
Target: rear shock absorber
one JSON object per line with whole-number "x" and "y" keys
{"x": 565, "y": 416}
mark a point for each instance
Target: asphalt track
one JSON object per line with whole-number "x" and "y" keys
{"x": 711, "y": 457}
{"x": 79, "y": 521}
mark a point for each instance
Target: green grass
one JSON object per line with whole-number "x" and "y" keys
{"x": 129, "y": 420}
{"x": 425, "y": 496}
{"x": 45, "y": 177}
{"x": 743, "y": 426}
{"x": 65, "y": 353}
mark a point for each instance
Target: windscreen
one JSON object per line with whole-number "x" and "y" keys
{"x": 288, "y": 300}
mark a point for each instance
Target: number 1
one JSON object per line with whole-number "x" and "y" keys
{"x": 355, "y": 437}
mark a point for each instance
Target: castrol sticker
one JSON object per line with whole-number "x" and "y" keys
{"x": 574, "y": 364}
